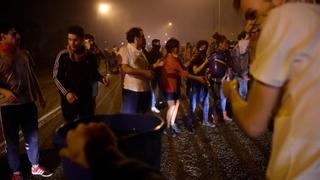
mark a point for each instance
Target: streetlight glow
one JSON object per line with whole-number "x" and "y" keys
{"x": 104, "y": 8}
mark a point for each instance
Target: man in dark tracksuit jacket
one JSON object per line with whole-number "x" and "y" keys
{"x": 74, "y": 71}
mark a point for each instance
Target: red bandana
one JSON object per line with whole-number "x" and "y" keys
{"x": 6, "y": 48}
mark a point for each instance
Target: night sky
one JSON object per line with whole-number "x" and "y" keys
{"x": 44, "y": 22}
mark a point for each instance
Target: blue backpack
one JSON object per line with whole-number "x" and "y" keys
{"x": 217, "y": 65}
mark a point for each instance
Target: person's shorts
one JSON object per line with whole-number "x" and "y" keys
{"x": 172, "y": 96}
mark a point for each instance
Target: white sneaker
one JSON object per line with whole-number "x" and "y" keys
{"x": 154, "y": 109}
{"x": 227, "y": 119}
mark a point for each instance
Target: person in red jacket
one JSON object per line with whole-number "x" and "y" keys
{"x": 170, "y": 83}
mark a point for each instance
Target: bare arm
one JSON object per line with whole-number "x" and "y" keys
{"x": 187, "y": 64}
{"x": 184, "y": 73}
{"x": 252, "y": 115}
{"x": 159, "y": 63}
{"x": 197, "y": 69}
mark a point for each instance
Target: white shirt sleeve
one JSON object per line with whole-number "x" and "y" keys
{"x": 123, "y": 52}
{"x": 281, "y": 40}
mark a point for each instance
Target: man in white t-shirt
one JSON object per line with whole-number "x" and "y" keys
{"x": 136, "y": 95}
{"x": 287, "y": 85}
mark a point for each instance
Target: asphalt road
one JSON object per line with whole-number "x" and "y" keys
{"x": 224, "y": 152}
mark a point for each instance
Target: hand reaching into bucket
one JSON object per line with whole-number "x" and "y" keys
{"x": 86, "y": 135}
{"x": 94, "y": 146}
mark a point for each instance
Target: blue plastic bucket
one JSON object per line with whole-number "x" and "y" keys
{"x": 139, "y": 137}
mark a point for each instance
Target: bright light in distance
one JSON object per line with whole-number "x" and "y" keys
{"x": 166, "y": 34}
{"x": 149, "y": 37}
{"x": 170, "y": 23}
{"x": 104, "y": 8}
{"x": 122, "y": 43}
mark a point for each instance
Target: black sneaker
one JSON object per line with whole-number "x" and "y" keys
{"x": 191, "y": 129}
{"x": 166, "y": 131}
{"x": 176, "y": 129}
{"x": 169, "y": 132}
{"x": 173, "y": 133}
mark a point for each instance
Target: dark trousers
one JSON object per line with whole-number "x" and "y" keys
{"x": 216, "y": 110}
{"x": 24, "y": 116}
{"x": 154, "y": 85}
{"x": 83, "y": 107}
{"x": 188, "y": 87}
{"x": 135, "y": 102}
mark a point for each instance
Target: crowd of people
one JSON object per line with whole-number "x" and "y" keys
{"x": 270, "y": 72}
{"x": 204, "y": 67}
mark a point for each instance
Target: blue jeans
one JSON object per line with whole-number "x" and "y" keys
{"x": 223, "y": 101}
{"x": 199, "y": 93}
{"x": 135, "y": 102}
{"x": 243, "y": 87}
{"x": 25, "y": 116}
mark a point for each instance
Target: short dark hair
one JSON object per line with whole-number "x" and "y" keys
{"x": 171, "y": 44}
{"x": 236, "y": 4}
{"x": 242, "y": 35}
{"x": 221, "y": 39}
{"x": 201, "y": 43}
{"x": 215, "y": 35}
{"x": 132, "y": 33}
{"x": 154, "y": 41}
{"x": 89, "y": 36}
{"x": 77, "y": 30}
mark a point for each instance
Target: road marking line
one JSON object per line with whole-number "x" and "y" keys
{"x": 40, "y": 124}
{"x": 42, "y": 121}
{"x": 110, "y": 90}
{"x": 49, "y": 113}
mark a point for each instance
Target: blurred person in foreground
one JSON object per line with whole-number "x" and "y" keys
{"x": 286, "y": 86}
{"x": 94, "y": 146}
